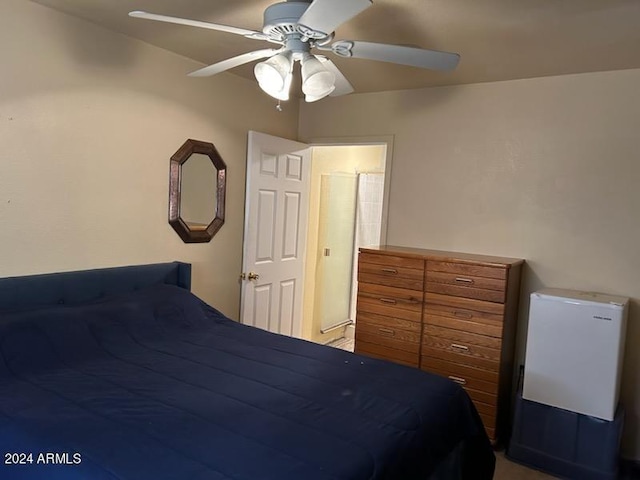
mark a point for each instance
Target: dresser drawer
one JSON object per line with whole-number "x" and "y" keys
{"x": 472, "y": 357}
{"x": 385, "y": 353}
{"x": 464, "y": 269}
{"x": 369, "y": 306}
{"x": 394, "y": 340}
{"x": 483, "y": 408}
{"x": 466, "y": 281}
{"x": 462, "y": 339}
{"x": 393, "y": 277}
{"x": 392, "y": 261}
{"x": 488, "y": 289}
{"x": 466, "y": 353}
{"x": 475, "y": 316}
{"x": 466, "y": 308}
{"x": 366, "y": 318}
{"x": 482, "y": 398}
{"x": 398, "y": 299}
{"x": 472, "y": 379}
{"x": 392, "y": 271}
{"x": 388, "y": 332}
{"x": 494, "y": 331}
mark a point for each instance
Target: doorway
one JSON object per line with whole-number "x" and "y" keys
{"x": 346, "y": 212}
{"x": 291, "y": 264}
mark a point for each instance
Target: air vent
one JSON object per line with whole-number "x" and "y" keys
{"x": 280, "y": 32}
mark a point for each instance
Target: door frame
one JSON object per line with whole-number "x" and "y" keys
{"x": 312, "y": 142}
{"x": 308, "y": 325}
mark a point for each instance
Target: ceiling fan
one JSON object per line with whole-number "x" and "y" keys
{"x": 299, "y": 27}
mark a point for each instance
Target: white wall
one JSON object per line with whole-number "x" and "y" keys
{"x": 88, "y": 121}
{"x": 544, "y": 169}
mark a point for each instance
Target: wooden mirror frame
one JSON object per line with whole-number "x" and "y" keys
{"x": 187, "y": 233}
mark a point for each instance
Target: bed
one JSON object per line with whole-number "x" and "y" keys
{"x": 124, "y": 374}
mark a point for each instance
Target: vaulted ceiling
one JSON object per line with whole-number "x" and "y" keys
{"x": 497, "y": 39}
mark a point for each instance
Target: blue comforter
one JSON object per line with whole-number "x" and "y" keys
{"x": 158, "y": 385}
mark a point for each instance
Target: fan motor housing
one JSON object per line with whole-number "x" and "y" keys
{"x": 281, "y": 19}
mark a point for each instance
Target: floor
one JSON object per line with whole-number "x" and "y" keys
{"x": 343, "y": 344}
{"x": 508, "y": 470}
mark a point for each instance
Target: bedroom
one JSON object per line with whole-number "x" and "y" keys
{"x": 544, "y": 169}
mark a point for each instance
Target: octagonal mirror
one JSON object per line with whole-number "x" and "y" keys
{"x": 197, "y": 190}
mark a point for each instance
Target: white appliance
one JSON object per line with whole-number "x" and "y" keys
{"x": 575, "y": 344}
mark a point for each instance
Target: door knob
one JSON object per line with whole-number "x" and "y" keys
{"x": 253, "y": 276}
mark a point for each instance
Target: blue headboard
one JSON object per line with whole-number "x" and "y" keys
{"x": 86, "y": 285}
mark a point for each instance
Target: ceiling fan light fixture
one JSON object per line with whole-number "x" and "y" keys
{"x": 284, "y": 93}
{"x": 312, "y": 98}
{"x": 281, "y": 94}
{"x": 299, "y": 26}
{"x": 317, "y": 81}
{"x": 272, "y": 73}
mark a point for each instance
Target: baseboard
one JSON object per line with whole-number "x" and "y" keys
{"x": 350, "y": 332}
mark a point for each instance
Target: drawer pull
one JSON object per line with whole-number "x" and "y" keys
{"x": 468, "y": 281}
{"x": 387, "y": 331}
{"x": 458, "y": 380}
{"x": 461, "y": 314}
{"x": 391, "y": 271}
{"x": 388, "y": 300}
{"x": 460, "y": 347}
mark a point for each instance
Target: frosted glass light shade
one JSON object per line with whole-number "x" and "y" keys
{"x": 272, "y": 74}
{"x": 283, "y": 93}
{"x": 317, "y": 81}
{"x": 312, "y": 98}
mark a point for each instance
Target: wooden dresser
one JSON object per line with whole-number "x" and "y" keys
{"x": 449, "y": 313}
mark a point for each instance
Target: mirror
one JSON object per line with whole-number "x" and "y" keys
{"x": 197, "y": 190}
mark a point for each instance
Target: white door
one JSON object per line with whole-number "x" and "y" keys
{"x": 275, "y": 233}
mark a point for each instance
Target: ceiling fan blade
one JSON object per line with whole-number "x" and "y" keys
{"x": 412, "y": 56}
{"x": 343, "y": 87}
{"x": 326, "y": 15}
{"x": 234, "y": 62}
{"x": 199, "y": 24}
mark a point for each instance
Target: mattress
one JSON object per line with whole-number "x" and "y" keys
{"x": 156, "y": 384}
